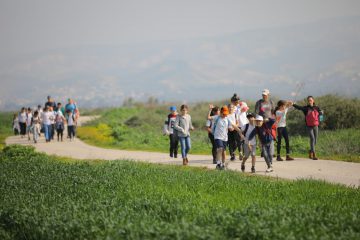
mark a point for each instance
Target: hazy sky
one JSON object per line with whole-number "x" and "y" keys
{"x": 30, "y": 26}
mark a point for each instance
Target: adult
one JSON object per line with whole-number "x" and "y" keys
{"x": 312, "y": 113}
{"x": 70, "y": 106}
{"x": 265, "y": 108}
{"x": 50, "y": 103}
{"x": 22, "y": 121}
{"x": 48, "y": 117}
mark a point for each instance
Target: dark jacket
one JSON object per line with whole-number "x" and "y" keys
{"x": 264, "y": 132}
{"x": 305, "y": 109}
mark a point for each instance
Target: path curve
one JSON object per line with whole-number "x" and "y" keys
{"x": 331, "y": 171}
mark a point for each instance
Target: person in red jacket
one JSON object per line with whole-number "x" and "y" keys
{"x": 312, "y": 115}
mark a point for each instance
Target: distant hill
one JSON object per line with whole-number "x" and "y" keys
{"x": 321, "y": 57}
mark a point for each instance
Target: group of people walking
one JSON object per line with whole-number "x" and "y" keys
{"x": 47, "y": 119}
{"x": 233, "y": 126}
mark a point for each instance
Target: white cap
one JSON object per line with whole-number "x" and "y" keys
{"x": 259, "y": 118}
{"x": 265, "y": 92}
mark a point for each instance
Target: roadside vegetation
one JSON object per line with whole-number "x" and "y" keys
{"x": 138, "y": 127}
{"x": 45, "y": 197}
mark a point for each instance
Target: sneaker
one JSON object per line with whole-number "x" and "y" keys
{"x": 243, "y": 167}
{"x": 214, "y": 161}
{"x": 278, "y": 158}
{"x": 253, "y": 169}
{"x": 269, "y": 169}
{"x": 175, "y": 155}
{"x": 171, "y": 155}
{"x": 219, "y": 167}
{"x": 232, "y": 158}
{"x": 288, "y": 158}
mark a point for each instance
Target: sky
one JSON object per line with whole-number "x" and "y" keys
{"x": 38, "y": 25}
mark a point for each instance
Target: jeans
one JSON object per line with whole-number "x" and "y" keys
{"x": 282, "y": 132}
{"x": 185, "y": 143}
{"x": 71, "y": 131}
{"x": 47, "y": 131}
{"x": 174, "y": 144}
{"x": 313, "y": 133}
{"x": 266, "y": 148}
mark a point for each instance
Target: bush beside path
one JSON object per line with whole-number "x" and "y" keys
{"x": 346, "y": 173}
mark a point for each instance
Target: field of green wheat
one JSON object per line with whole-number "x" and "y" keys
{"x": 45, "y": 197}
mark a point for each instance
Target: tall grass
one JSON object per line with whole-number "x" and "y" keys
{"x": 42, "y": 197}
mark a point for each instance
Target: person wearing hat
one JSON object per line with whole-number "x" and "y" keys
{"x": 265, "y": 107}
{"x": 171, "y": 132}
{"x": 263, "y": 130}
{"x": 221, "y": 125}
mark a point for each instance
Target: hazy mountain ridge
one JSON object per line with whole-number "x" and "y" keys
{"x": 324, "y": 56}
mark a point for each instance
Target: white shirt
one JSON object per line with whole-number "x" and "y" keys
{"x": 48, "y": 117}
{"x": 22, "y": 117}
{"x": 70, "y": 120}
{"x": 242, "y": 119}
{"x": 28, "y": 119}
{"x": 221, "y": 126}
{"x": 282, "y": 115}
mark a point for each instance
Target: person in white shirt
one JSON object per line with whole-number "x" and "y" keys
{"x": 249, "y": 132}
{"x": 22, "y": 122}
{"x": 28, "y": 122}
{"x": 16, "y": 126}
{"x": 35, "y": 126}
{"x": 280, "y": 113}
{"x": 48, "y": 117}
{"x": 233, "y": 138}
{"x": 221, "y": 125}
{"x": 70, "y": 119}
{"x": 59, "y": 124}
{"x": 214, "y": 112}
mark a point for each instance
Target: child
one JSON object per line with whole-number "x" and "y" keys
{"x": 233, "y": 138}
{"x": 312, "y": 114}
{"x": 249, "y": 132}
{"x": 242, "y": 121}
{"x": 280, "y": 112}
{"x": 59, "y": 124}
{"x": 16, "y": 126}
{"x": 52, "y": 120}
{"x": 221, "y": 125}
{"x": 263, "y": 129}
{"x": 35, "y": 126}
{"x": 183, "y": 125}
{"x": 28, "y": 122}
{"x": 70, "y": 124}
{"x": 214, "y": 112}
{"x": 169, "y": 130}
{"x": 22, "y": 122}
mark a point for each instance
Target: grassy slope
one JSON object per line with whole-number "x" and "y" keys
{"x": 43, "y": 197}
{"x": 140, "y": 129}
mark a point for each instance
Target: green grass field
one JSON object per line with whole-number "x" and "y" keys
{"x": 44, "y": 197}
{"x": 140, "y": 129}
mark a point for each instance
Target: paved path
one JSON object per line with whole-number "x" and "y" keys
{"x": 330, "y": 171}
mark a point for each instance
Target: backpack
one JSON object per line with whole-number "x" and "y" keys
{"x": 312, "y": 118}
